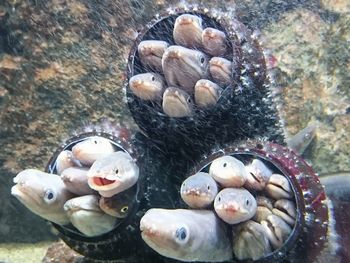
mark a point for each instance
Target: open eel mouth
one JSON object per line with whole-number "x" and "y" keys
{"x": 194, "y": 193}
{"x": 100, "y": 183}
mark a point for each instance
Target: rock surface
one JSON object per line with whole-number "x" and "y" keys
{"x": 23, "y": 252}
{"x": 59, "y": 252}
{"x": 313, "y": 60}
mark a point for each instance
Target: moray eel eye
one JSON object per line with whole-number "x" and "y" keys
{"x": 49, "y": 196}
{"x": 181, "y": 233}
{"x": 124, "y": 209}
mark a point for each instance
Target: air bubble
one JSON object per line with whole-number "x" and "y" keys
{"x": 306, "y": 194}
{"x": 280, "y": 253}
{"x": 309, "y": 218}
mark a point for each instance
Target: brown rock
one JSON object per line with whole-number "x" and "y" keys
{"x": 3, "y": 92}
{"x": 340, "y": 6}
{"x": 48, "y": 73}
{"x": 60, "y": 253}
{"x": 10, "y": 63}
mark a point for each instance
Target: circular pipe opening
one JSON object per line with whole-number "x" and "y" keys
{"x": 124, "y": 241}
{"x": 162, "y": 29}
{"x": 309, "y": 233}
{"x": 243, "y": 109}
{"x": 276, "y": 168}
{"x": 118, "y": 145}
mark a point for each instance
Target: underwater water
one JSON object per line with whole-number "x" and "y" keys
{"x": 63, "y": 69}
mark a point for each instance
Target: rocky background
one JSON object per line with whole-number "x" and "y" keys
{"x": 62, "y": 68}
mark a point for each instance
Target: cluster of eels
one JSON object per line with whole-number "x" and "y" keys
{"x": 237, "y": 208}
{"x": 195, "y": 69}
{"x": 255, "y": 204}
{"x": 91, "y": 188}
